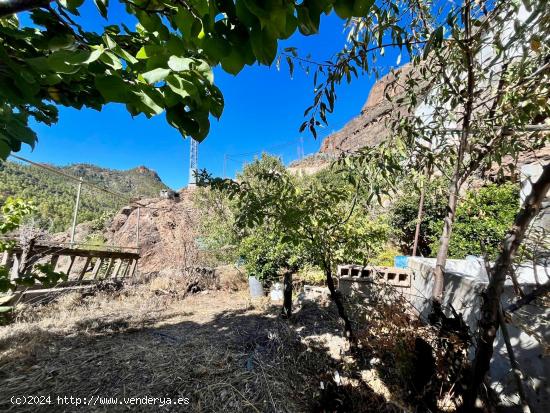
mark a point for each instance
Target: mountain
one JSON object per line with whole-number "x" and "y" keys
{"x": 54, "y": 195}
{"x": 369, "y": 127}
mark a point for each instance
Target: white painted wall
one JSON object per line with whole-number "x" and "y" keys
{"x": 464, "y": 281}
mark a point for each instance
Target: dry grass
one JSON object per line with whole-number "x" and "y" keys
{"x": 223, "y": 351}
{"x": 219, "y": 349}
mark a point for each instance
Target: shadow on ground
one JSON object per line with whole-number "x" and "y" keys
{"x": 237, "y": 361}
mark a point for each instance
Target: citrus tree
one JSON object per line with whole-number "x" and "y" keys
{"x": 328, "y": 219}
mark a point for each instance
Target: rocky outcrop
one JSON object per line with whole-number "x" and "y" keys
{"x": 167, "y": 232}
{"x": 310, "y": 165}
{"x": 369, "y": 127}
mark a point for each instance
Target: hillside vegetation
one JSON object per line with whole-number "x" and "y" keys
{"x": 54, "y": 195}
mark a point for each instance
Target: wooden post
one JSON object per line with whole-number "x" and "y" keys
{"x": 126, "y": 268}
{"x": 7, "y": 259}
{"x": 132, "y": 268}
{"x": 117, "y": 268}
{"x": 75, "y": 214}
{"x": 83, "y": 271}
{"x": 70, "y": 265}
{"x": 137, "y": 228}
{"x": 53, "y": 261}
{"x": 15, "y": 266}
{"x": 97, "y": 267}
{"x": 111, "y": 260}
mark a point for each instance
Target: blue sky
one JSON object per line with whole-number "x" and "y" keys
{"x": 263, "y": 108}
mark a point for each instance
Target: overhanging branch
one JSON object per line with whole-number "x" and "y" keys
{"x": 8, "y": 7}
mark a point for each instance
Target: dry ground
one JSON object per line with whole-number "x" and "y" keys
{"x": 223, "y": 352}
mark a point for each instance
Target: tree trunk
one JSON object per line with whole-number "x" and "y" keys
{"x": 420, "y": 213}
{"x": 286, "y": 311}
{"x": 8, "y": 7}
{"x": 457, "y": 177}
{"x": 336, "y": 296}
{"x": 489, "y": 322}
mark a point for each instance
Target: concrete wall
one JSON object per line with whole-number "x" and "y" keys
{"x": 464, "y": 281}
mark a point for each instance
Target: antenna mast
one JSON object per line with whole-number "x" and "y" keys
{"x": 193, "y": 162}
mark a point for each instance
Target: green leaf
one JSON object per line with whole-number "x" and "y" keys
{"x": 216, "y": 102}
{"x": 142, "y": 53}
{"x": 308, "y": 22}
{"x": 102, "y": 6}
{"x": 180, "y": 86}
{"x": 179, "y": 64}
{"x": 344, "y": 8}
{"x": 151, "y": 100}
{"x": 22, "y": 132}
{"x": 72, "y": 5}
{"x": 5, "y": 149}
{"x": 234, "y": 62}
{"x": 156, "y": 75}
{"x": 361, "y": 8}
{"x": 264, "y": 46}
{"x": 112, "y": 88}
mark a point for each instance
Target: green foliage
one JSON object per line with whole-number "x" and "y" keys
{"x": 404, "y": 214}
{"x": 162, "y": 65}
{"x": 54, "y": 196}
{"x": 310, "y": 274}
{"x": 218, "y": 237}
{"x": 265, "y": 255}
{"x": 260, "y": 246}
{"x": 482, "y": 220}
{"x": 324, "y": 215}
{"x": 366, "y": 240}
{"x": 386, "y": 257}
{"x": 13, "y": 211}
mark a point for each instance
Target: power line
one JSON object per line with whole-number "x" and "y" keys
{"x": 80, "y": 180}
{"x": 276, "y": 146}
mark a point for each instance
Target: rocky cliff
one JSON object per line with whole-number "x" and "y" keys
{"x": 368, "y": 128}
{"x": 167, "y": 232}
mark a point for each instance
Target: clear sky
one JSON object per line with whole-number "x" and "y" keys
{"x": 264, "y": 108}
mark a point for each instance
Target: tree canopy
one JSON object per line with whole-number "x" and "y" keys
{"x": 163, "y": 64}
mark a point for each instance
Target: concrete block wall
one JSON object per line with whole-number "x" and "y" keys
{"x": 356, "y": 278}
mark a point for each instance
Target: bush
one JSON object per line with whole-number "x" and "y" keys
{"x": 387, "y": 256}
{"x": 482, "y": 219}
{"x": 311, "y": 275}
{"x": 404, "y": 213}
{"x": 265, "y": 255}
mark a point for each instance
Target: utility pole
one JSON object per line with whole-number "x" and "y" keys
{"x": 75, "y": 214}
{"x": 193, "y": 162}
{"x": 301, "y": 148}
{"x": 137, "y": 228}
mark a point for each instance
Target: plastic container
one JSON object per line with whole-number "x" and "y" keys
{"x": 276, "y": 293}
{"x": 400, "y": 261}
{"x": 256, "y": 288}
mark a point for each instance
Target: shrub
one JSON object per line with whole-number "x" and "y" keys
{"x": 482, "y": 219}
{"x": 265, "y": 255}
{"x": 404, "y": 214}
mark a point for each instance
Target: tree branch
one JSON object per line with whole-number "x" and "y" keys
{"x": 8, "y": 7}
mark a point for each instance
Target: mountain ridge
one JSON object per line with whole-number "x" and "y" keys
{"x": 54, "y": 195}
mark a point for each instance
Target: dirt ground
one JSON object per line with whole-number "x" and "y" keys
{"x": 217, "y": 349}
